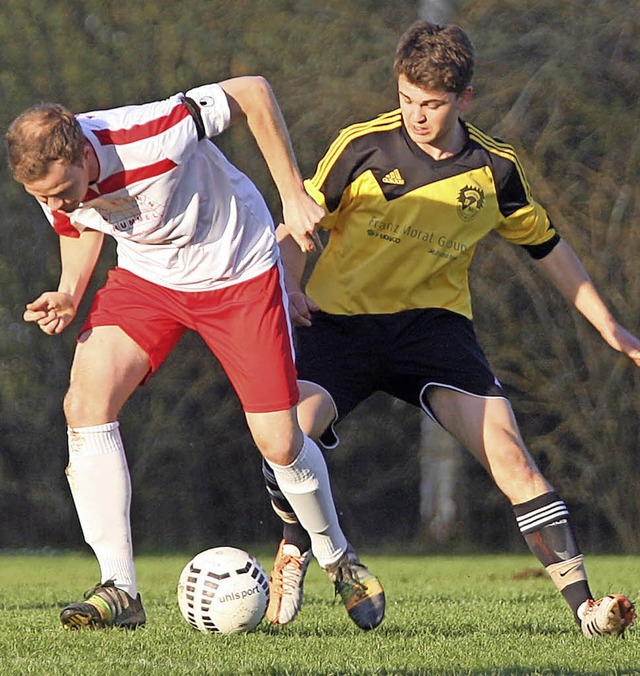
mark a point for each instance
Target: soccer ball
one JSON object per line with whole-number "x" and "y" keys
{"x": 223, "y": 590}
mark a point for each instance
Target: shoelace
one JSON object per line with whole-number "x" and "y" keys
{"x": 288, "y": 576}
{"x": 117, "y": 600}
{"x": 109, "y": 583}
{"x": 622, "y": 615}
{"x": 345, "y": 576}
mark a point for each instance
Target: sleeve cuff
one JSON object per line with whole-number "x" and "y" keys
{"x": 214, "y": 107}
{"x": 539, "y": 251}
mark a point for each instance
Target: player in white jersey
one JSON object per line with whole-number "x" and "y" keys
{"x": 196, "y": 250}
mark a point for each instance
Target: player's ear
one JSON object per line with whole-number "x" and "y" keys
{"x": 464, "y": 99}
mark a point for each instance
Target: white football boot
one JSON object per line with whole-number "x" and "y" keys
{"x": 608, "y": 616}
{"x": 286, "y": 582}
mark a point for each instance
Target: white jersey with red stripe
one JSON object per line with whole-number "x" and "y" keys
{"x": 182, "y": 215}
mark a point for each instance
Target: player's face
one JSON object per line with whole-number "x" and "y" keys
{"x": 431, "y": 117}
{"x": 62, "y": 188}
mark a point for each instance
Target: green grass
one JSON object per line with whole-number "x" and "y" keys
{"x": 445, "y": 615}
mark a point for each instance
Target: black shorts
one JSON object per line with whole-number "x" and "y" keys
{"x": 402, "y": 354}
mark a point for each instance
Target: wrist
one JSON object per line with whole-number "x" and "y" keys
{"x": 294, "y": 189}
{"x": 72, "y": 300}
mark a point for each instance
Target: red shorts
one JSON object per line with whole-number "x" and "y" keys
{"x": 246, "y": 326}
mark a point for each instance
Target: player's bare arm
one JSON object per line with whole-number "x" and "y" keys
{"x": 53, "y": 311}
{"x": 252, "y": 98}
{"x": 565, "y": 271}
{"x": 293, "y": 262}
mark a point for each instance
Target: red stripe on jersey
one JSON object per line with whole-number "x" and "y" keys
{"x": 125, "y": 178}
{"x": 142, "y": 131}
{"x": 62, "y": 225}
{"x": 91, "y": 195}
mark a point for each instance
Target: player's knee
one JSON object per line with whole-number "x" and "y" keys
{"x": 279, "y": 449}
{"x": 70, "y": 406}
{"x": 523, "y": 485}
{"x": 277, "y": 435}
{"x": 82, "y": 410}
{"x": 280, "y": 454}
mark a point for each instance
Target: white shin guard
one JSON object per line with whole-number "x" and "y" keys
{"x": 305, "y": 484}
{"x": 99, "y": 480}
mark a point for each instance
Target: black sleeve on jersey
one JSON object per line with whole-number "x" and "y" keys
{"x": 511, "y": 193}
{"x": 512, "y": 196}
{"x": 538, "y": 251}
{"x": 341, "y": 174}
{"x": 195, "y": 113}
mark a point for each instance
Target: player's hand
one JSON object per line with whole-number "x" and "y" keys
{"x": 301, "y": 218}
{"x": 53, "y": 311}
{"x": 625, "y": 342}
{"x": 300, "y": 308}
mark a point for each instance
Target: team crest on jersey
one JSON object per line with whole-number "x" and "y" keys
{"x": 470, "y": 202}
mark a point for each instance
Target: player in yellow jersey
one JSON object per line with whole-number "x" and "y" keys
{"x": 408, "y": 195}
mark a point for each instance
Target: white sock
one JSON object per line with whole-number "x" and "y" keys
{"x": 305, "y": 484}
{"x": 101, "y": 488}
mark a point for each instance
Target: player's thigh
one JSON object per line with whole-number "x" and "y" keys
{"x": 247, "y": 329}
{"x": 339, "y": 355}
{"x": 107, "y": 367}
{"x": 487, "y": 427}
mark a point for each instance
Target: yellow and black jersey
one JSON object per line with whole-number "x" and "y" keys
{"x": 404, "y": 227}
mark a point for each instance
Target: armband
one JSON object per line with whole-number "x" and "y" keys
{"x": 195, "y": 113}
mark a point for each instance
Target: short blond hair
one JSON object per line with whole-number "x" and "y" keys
{"x": 439, "y": 58}
{"x": 40, "y": 135}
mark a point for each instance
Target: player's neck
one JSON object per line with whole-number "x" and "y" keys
{"x": 448, "y": 147}
{"x": 93, "y": 166}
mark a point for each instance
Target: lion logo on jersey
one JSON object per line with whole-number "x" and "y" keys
{"x": 470, "y": 201}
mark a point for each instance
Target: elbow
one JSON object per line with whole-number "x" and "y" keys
{"x": 259, "y": 95}
{"x": 248, "y": 95}
{"x": 260, "y": 84}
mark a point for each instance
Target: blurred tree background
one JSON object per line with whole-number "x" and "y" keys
{"x": 560, "y": 81}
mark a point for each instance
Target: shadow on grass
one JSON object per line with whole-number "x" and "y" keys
{"x": 39, "y": 605}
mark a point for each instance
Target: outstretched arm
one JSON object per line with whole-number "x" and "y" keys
{"x": 251, "y": 97}
{"x": 565, "y": 271}
{"x": 53, "y": 311}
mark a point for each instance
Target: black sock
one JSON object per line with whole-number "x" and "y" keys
{"x": 295, "y": 534}
{"x": 545, "y": 525}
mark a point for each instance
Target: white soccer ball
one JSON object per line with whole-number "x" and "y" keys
{"x": 223, "y": 590}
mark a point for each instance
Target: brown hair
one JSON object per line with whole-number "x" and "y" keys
{"x": 40, "y": 135}
{"x": 435, "y": 57}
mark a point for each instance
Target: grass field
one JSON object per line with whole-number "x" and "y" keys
{"x": 445, "y": 616}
